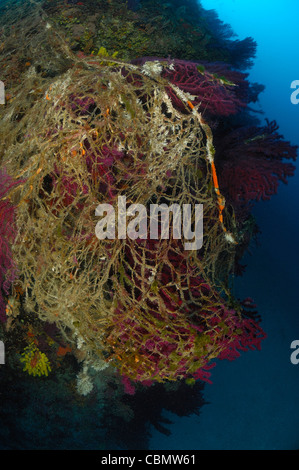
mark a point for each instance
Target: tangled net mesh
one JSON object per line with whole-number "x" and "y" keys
{"x": 96, "y": 131}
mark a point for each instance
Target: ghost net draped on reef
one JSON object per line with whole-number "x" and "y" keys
{"x": 98, "y": 131}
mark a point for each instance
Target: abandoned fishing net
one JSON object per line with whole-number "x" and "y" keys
{"x": 88, "y": 155}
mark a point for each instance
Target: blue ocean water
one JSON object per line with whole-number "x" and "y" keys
{"x": 254, "y": 401}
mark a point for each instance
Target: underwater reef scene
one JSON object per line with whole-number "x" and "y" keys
{"x": 146, "y": 102}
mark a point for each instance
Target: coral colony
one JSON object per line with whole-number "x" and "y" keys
{"x": 88, "y": 133}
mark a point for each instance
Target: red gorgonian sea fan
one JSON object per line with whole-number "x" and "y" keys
{"x": 175, "y": 333}
{"x": 219, "y": 90}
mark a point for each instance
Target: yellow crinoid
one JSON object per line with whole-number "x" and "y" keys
{"x": 35, "y": 362}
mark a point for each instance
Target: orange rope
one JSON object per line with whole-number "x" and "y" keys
{"x": 220, "y": 198}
